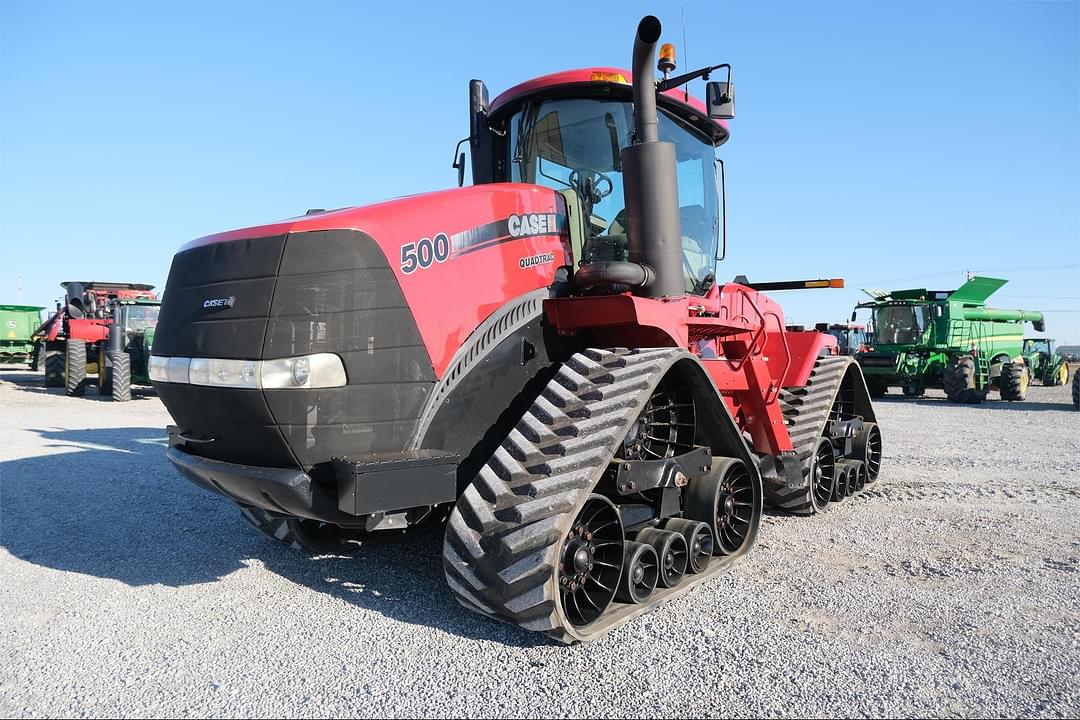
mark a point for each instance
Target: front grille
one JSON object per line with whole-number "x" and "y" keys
{"x": 328, "y": 291}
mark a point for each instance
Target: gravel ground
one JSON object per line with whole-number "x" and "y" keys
{"x": 952, "y": 588}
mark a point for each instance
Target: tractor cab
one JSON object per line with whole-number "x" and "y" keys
{"x": 1039, "y": 345}
{"x": 899, "y": 323}
{"x": 567, "y": 132}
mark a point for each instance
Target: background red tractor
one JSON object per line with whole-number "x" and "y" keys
{"x": 74, "y": 338}
{"x": 545, "y": 361}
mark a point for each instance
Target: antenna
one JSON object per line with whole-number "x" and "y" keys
{"x": 685, "y": 54}
{"x": 18, "y": 290}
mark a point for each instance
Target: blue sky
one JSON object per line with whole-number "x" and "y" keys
{"x": 893, "y": 144}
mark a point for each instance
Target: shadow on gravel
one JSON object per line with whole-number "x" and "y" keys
{"x": 34, "y": 382}
{"x": 112, "y": 507}
{"x": 990, "y": 404}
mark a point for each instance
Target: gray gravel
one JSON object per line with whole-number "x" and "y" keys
{"x": 950, "y": 588}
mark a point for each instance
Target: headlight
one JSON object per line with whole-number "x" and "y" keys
{"x": 157, "y": 368}
{"x": 322, "y": 370}
{"x": 309, "y": 371}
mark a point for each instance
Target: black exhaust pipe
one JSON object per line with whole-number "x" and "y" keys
{"x": 650, "y": 188}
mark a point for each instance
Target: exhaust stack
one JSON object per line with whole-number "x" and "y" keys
{"x": 650, "y": 188}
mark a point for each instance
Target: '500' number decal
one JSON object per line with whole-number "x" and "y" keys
{"x": 425, "y": 253}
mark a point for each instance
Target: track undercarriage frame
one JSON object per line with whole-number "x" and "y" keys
{"x": 575, "y": 525}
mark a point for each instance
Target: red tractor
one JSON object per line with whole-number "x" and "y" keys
{"x": 543, "y": 361}
{"x": 74, "y": 336}
{"x": 850, "y": 337}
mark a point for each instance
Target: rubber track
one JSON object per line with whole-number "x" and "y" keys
{"x": 806, "y": 410}
{"x": 503, "y": 538}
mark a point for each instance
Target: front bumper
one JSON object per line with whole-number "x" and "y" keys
{"x": 378, "y": 486}
{"x": 280, "y": 490}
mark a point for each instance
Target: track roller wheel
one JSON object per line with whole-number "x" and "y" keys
{"x": 868, "y": 450}
{"x": 859, "y": 475}
{"x": 641, "y": 571}
{"x": 671, "y": 549}
{"x": 699, "y": 542}
{"x": 843, "y": 481}
{"x": 590, "y": 561}
{"x": 823, "y": 475}
{"x": 728, "y": 500}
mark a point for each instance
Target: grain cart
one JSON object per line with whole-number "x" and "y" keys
{"x": 1044, "y": 363}
{"x": 946, "y": 338}
{"x": 850, "y": 338}
{"x": 544, "y": 361}
{"x": 75, "y": 334}
{"x": 17, "y": 325}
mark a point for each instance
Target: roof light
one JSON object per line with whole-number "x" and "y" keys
{"x": 666, "y": 64}
{"x": 615, "y": 77}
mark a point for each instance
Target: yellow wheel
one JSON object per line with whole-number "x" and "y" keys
{"x": 1063, "y": 374}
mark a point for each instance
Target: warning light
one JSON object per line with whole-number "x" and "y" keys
{"x": 836, "y": 283}
{"x": 666, "y": 64}
{"x": 615, "y": 77}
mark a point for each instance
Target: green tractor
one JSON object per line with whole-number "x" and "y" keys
{"x": 125, "y": 353}
{"x": 946, "y": 339}
{"x": 17, "y": 324}
{"x": 1044, "y": 363}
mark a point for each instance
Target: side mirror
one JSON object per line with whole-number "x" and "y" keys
{"x": 853, "y": 314}
{"x": 459, "y": 163}
{"x": 720, "y": 100}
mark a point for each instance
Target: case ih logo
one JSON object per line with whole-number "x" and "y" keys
{"x": 214, "y": 303}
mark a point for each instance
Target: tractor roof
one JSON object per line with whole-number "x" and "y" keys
{"x": 93, "y": 285}
{"x": 617, "y": 84}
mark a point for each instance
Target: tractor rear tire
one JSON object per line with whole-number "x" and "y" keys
{"x": 75, "y": 367}
{"x": 54, "y": 364}
{"x": 877, "y": 388}
{"x": 1059, "y": 376}
{"x": 121, "y": 377}
{"x": 1013, "y": 381}
{"x": 1076, "y": 391}
{"x": 958, "y": 380}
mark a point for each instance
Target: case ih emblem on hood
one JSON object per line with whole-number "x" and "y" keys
{"x": 216, "y": 303}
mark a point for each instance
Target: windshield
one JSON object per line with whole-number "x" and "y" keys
{"x": 576, "y": 144}
{"x": 140, "y": 317}
{"x": 899, "y": 324}
{"x": 1031, "y": 346}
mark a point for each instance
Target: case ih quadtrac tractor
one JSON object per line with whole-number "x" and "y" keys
{"x": 544, "y": 360}
{"x": 104, "y": 329}
{"x": 946, "y": 338}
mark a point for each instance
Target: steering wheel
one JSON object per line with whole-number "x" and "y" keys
{"x": 592, "y": 184}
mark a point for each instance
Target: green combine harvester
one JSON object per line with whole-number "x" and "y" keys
{"x": 946, "y": 339}
{"x": 1044, "y": 363}
{"x": 17, "y": 325}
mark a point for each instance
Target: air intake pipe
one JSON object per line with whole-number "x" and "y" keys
{"x": 650, "y": 189}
